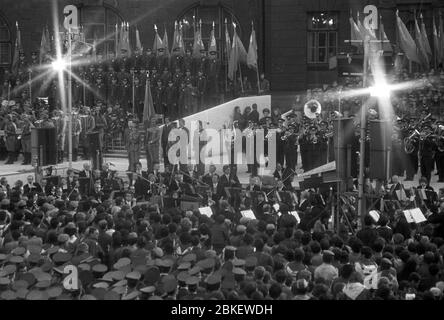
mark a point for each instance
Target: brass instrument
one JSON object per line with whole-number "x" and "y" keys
{"x": 409, "y": 145}
{"x": 312, "y": 109}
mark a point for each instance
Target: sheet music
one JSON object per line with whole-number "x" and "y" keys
{"x": 248, "y": 214}
{"x": 417, "y": 215}
{"x": 295, "y": 214}
{"x": 375, "y": 215}
{"x": 206, "y": 211}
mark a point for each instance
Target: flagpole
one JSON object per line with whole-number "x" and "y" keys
{"x": 9, "y": 90}
{"x": 30, "y": 85}
{"x": 257, "y": 64}
{"x": 226, "y": 56}
{"x": 134, "y": 97}
{"x": 116, "y": 42}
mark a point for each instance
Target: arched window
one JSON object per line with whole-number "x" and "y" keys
{"x": 208, "y": 14}
{"x": 5, "y": 44}
{"x": 98, "y": 21}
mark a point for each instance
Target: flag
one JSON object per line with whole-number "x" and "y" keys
{"x": 252, "y": 51}
{"x": 436, "y": 47}
{"x": 94, "y": 49}
{"x": 422, "y": 54}
{"x": 139, "y": 46}
{"x": 158, "y": 47}
{"x": 406, "y": 42}
{"x": 165, "y": 43}
{"x": 238, "y": 55}
{"x": 227, "y": 42}
{"x": 425, "y": 39}
{"x": 148, "y": 105}
{"x": 45, "y": 45}
{"x": 177, "y": 49}
{"x": 198, "y": 43}
{"x": 213, "y": 44}
{"x": 17, "y": 49}
{"x": 386, "y": 46}
{"x": 355, "y": 34}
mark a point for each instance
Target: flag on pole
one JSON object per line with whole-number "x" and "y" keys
{"x": 198, "y": 43}
{"x": 17, "y": 49}
{"x": 406, "y": 42}
{"x": 386, "y": 45}
{"x": 422, "y": 54}
{"x": 252, "y": 51}
{"x": 355, "y": 34}
{"x": 425, "y": 39}
{"x": 148, "y": 105}
{"x": 45, "y": 45}
{"x": 238, "y": 55}
{"x": 213, "y": 44}
{"x": 158, "y": 43}
{"x": 227, "y": 41}
{"x": 178, "y": 48}
{"x": 165, "y": 43}
{"x": 139, "y": 46}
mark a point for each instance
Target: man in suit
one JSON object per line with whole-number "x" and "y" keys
{"x": 227, "y": 180}
{"x": 208, "y": 177}
{"x": 31, "y": 186}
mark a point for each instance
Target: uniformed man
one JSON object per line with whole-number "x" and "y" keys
{"x": 88, "y": 125}
{"x": 26, "y": 139}
{"x": 177, "y": 77}
{"x": 113, "y": 91}
{"x": 158, "y": 98}
{"x": 139, "y": 96}
{"x": 126, "y": 95}
{"x": 190, "y": 99}
{"x": 427, "y": 148}
{"x": 10, "y": 138}
{"x": 213, "y": 69}
{"x": 76, "y": 125}
{"x": 59, "y": 120}
{"x": 264, "y": 85}
{"x": 152, "y": 144}
{"x": 133, "y": 143}
{"x": 187, "y": 60}
{"x": 165, "y": 76}
{"x": 201, "y": 86}
{"x": 171, "y": 100}
{"x": 99, "y": 90}
{"x": 150, "y": 59}
{"x": 291, "y": 147}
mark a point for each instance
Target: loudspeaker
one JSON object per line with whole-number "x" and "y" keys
{"x": 380, "y": 143}
{"x": 44, "y": 145}
{"x": 343, "y": 133}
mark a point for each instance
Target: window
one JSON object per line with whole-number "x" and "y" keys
{"x": 322, "y": 36}
{"x": 97, "y": 22}
{"x": 5, "y": 43}
{"x": 208, "y": 15}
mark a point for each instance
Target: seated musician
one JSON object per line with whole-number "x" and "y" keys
{"x": 280, "y": 186}
{"x": 64, "y": 185}
{"x": 304, "y": 202}
{"x": 279, "y": 172}
{"x": 129, "y": 199}
{"x": 214, "y": 187}
{"x": 97, "y": 192}
{"x": 227, "y": 180}
{"x": 430, "y": 193}
{"x": 255, "y": 184}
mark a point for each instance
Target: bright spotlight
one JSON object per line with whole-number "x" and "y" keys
{"x": 59, "y": 65}
{"x": 380, "y": 91}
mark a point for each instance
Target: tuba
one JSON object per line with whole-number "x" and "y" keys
{"x": 409, "y": 145}
{"x": 312, "y": 109}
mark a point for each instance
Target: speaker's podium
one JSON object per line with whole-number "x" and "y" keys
{"x": 44, "y": 146}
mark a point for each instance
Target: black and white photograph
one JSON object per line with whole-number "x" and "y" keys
{"x": 237, "y": 152}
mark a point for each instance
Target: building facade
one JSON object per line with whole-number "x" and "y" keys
{"x": 296, "y": 38}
